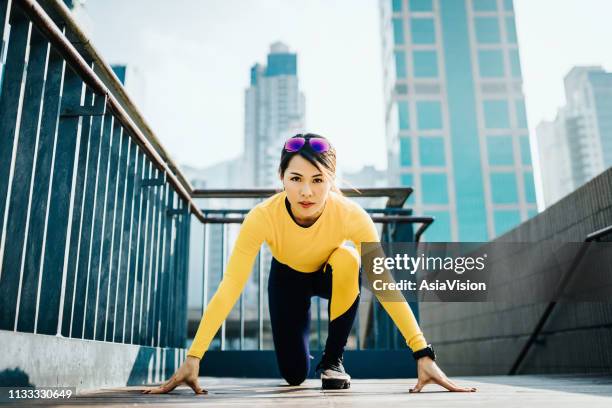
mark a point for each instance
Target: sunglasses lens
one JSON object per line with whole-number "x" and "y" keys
{"x": 294, "y": 144}
{"x": 319, "y": 145}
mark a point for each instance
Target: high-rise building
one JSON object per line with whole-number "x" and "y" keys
{"x": 577, "y": 145}
{"x": 274, "y": 110}
{"x": 455, "y": 115}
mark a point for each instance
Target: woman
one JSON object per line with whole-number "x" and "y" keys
{"x": 305, "y": 227}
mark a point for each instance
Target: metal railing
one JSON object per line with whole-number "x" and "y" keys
{"x": 94, "y": 220}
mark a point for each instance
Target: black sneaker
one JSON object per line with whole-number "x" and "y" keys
{"x": 333, "y": 376}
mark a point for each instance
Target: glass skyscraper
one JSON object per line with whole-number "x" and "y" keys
{"x": 577, "y": 145}
{"x": 274, "y": 110}
{"x": 455, "y": 115}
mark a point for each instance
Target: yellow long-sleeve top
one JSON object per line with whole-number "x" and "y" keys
{"x": 305, "y": 249}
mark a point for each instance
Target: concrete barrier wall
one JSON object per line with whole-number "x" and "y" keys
{"x": 486, "y": 338}
{"x": 52, "y": 361}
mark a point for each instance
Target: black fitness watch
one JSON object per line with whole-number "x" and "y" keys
{"x": 427, "y": 351}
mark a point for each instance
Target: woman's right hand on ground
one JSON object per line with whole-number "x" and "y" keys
{"x": 187, "y": 373}
{"x": 429, "y": 373}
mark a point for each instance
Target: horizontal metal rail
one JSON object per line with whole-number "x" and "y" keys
{"x": 380, "y": 219}
{"x": 397, "y": 196}
{"x": 397, "y": 211}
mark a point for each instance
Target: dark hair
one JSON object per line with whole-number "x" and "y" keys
{"x": 325, "y": 162}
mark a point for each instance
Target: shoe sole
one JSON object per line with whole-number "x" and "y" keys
{"x": 335, "y": 384}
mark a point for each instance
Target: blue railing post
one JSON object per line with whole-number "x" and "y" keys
{"x": 96, "y": 239}
{"x": 40, "y": 189}
{"x": 156, "y": 270}
{"x": 10, "y": 101}
{"x": 81, "y": 254}
{"x": 133, "y": 248}
{"x": 60, "y": 206}
{"x": 117, "y": 239}
{"x": 260, "y": 305}
{"x": 184, "y": 273}
{"x": 222, "y": 266}
{"x": 145, "y": 256}
{"x": 124, "y": 261}
{"x": 77, "y": 218}
{"x": 167, "y": 274}
{"x": 108, "y": 222}
{"x": 18, "y": 204}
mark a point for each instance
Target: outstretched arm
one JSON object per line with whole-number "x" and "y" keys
{"x": 239, "y": 267}
{"x": 362, "y": 229}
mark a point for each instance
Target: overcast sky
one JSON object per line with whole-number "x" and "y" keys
{"x": 193, "y": 59}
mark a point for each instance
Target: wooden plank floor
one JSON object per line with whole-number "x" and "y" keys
{"x": 493, "y": 391}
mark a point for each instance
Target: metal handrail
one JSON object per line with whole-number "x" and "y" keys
{"x": 381, "y": 219}
{"x": 397, "y": 196}
{"x": 594, "y": 236}
{"x": 396, "y": 211}
{"x": 38, "y": 16}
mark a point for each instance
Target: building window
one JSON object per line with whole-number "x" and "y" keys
{"x": 425, "y": 64}
{"x": 402, "y": 107}
{"x": 530, "y": 195}
{"x": 511, "y": 30}
{"x": 508, "y": 5}
{"x": 422, "y": 30}
{"x": 431, "y": 151}
{"x": 421, "y": 5}
{"x": 499, "y": 150}
{"x": 434, "y": 188}
{"x": 491, "y": 63}
{"x": 496, "y": 114}
{"x": 405, "y": 151}
{"x": 396, "y": 5}
{"x": 485, "y": 5}
{"x": 400, "y": 64}
{"x": 525, "y": 150}
{"x": 503, "y": 188}
{"x": 532, "y": 212}
{"x": 407, "y": 180}
{"x": 521, "y": 116}
{"x": 440, "y": 229}
{"x": 398, "y": 31}
{"x": 429, "y": 115}
{"x": 505, "y": 220}
{"x": 515, "y": 64}
{"x": 487, "y": 30}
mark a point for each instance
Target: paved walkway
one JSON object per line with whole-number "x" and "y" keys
{"x": 493, "y": 391}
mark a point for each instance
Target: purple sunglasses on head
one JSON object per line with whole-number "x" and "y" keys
{"x": 317, "y": 144}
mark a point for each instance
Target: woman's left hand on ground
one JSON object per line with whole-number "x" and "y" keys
{"x": 430, "y": 373}
{"x": 187, "y": 373}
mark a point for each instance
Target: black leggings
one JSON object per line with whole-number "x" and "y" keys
{"x": 289, "y": 293}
